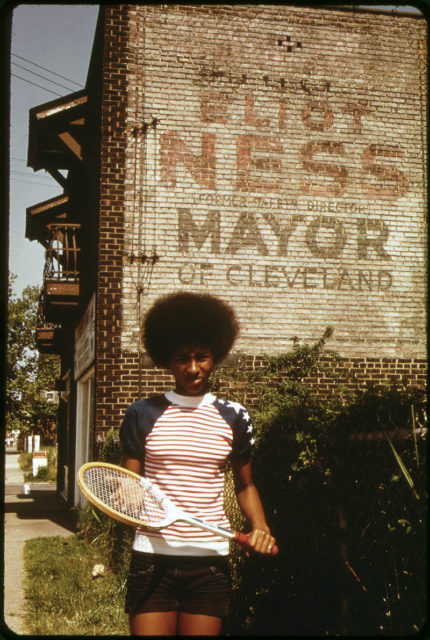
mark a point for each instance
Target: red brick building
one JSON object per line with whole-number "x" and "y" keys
{"x": 274, "y": 155}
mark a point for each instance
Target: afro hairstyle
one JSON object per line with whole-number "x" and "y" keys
{"x": 182, "y": 319}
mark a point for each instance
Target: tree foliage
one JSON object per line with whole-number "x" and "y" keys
{"x": 28, "y": 373}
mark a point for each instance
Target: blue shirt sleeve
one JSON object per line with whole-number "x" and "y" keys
{"x": 131, "y": 437}
{"x": 138, "y": 421}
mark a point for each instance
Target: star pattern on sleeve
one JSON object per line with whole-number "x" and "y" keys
{"x": 240, "y": 410}
{"x": 244, "y": 419}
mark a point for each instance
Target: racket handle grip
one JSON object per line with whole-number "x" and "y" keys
{"x": 243, "y": 538}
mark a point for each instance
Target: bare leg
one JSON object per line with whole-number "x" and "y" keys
{"x": 191, "y": 624}
{"x": 154, "y": 623}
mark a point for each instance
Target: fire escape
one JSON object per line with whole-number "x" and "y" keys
{"x": 56, "y": 140}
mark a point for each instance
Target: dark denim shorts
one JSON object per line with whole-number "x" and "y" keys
{"x": 199, "y": 585}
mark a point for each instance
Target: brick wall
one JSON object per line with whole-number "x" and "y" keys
{"x": 109, "y": 357}
{"x": 352, "y": 373}
{"x": 275, "y": 156}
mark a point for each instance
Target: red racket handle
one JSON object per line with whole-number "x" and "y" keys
{"x": 243, "y": 538}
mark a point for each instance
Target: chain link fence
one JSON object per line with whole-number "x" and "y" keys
{"x": 382, "y": 519}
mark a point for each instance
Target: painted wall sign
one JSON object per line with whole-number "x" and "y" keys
{"x": 283, "y": 177}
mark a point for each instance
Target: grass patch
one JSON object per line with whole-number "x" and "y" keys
{"x": 62, "y": 596}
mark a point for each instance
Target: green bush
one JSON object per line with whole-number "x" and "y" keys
{"x": 44, "y": 474}
{"x": 95, "y": 527}
{"x": 25, "y": 461}
{"x": 337, "y": 497}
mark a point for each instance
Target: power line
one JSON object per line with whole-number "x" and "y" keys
{"x": 35, "y": 184}
{"x": 49, "y": 70}
{"x": 37, "y": 85}
{"x": 39, "y": 75}
{"x": 34, "y": 177}
{"x": 29, "y": 175}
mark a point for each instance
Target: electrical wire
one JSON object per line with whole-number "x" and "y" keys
{"x": 155, "y": 205}
{"x": 35, "y": 184}
{"x": 39, "y": 75}
{"x": 24, "y": 173}
{"x": 37, "y": 85}
{"x": 45, "y": 69}
{"x": 28, "y": 175}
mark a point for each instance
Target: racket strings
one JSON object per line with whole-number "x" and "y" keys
{"x": 125, "y": 495}
{"x": 152, "y": 506}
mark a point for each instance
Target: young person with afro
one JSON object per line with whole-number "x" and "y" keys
{"x": 179, "y": 581}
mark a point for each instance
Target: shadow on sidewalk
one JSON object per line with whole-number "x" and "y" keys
{"x": 42, "y": 504}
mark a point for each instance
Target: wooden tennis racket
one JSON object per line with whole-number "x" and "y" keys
{"x": 136, "y": 501}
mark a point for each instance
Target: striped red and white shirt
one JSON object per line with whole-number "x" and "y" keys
{"x": 184, "y": 443}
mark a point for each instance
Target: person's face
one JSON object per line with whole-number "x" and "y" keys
{"x": 191, "y": 367}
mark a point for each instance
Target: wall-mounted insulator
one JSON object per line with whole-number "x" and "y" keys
{"x": 143, "y": 129}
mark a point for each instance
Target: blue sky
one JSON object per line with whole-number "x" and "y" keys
{"x": 46, "y": 40}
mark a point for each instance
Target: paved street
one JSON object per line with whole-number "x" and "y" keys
{"x": 40, "y": 513}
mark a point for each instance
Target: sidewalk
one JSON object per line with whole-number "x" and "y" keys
{"x": 40, "y": 513}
